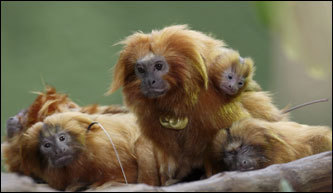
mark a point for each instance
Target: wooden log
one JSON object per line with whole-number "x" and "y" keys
{"x": 312, "y": 173}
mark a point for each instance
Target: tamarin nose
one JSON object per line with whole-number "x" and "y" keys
{"x": 60, "y": 150}
{"x": 151, "y": 82}
{"x": 245, "y": 164}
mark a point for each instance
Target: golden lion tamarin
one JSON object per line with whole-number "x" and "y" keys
{"x": 62, "y": 152}
{"x": 165, "y": 83}
{"x": 253, "y": 143}
{"x": 232, "y": 76}
{"x": 51, "y": 102}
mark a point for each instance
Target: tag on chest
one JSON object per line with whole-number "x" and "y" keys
{"x": 174, "y": 123}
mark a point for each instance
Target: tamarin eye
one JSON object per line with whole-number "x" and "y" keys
{"x": 141, "y": 70}
{"x": 62, "y": 138}
{"x": 158, "y": 66}
{"x": 47, "y": 145}
{"x": 229, "y": 76}
{"x": 240, "y": 83}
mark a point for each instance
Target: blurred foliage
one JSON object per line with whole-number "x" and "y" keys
{"x": 295, "y": 23}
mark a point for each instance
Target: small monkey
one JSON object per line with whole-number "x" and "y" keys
{"x": 232, "y": 76}
{"x": 64, "y": 154}
{"x": 254, "y": 144}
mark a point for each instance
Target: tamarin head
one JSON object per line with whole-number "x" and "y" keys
{"x": 246, "y": 145}
{"x": 231, "y": 73}
{"x": 242, "y": 157}
{"x": 57, "y": 146}
{"x": 164, "y": 63}
{"x": 54, "y": 143}
{"x": 15, "y": 124}
{"x": 255, "y": 143}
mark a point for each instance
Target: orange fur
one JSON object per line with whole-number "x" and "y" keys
{"x": 280, "y": 142}
{"x": 48, "y": 103}
{"x": 51, "y": 102}
{"x": 96, "y": 163}
{"x": 189, "y": 95}
{"x": 259, "y": 104}
{"x": 21, "y": 151}
{"x": 231, "y": 59}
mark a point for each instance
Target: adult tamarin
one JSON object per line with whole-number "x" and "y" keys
{"x": 62, "y": 152}
{"x": 232, "y": 76}
{"x": 253, "y": 143}
{"x": 165, "y": 83}
{"x": 50, "y": 102}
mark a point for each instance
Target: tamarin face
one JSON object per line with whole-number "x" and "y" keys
{"x": 15, "y": 124}
{"x": 150, "y": 70}
{"x": 57, "y": 146}
{"x": 244, "y": 145}
{"x": 231, "y": 81}
{"x": 234, "y": 78}
{"x": 242, "y": 157}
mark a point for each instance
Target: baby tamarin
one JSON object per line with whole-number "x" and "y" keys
{"x": 232, "y": 76}
{"x": 231, "y": 73}
{"x": 62, "y": 152}
{"x": 253, "y": 143}
{"x": 165, "y": 83}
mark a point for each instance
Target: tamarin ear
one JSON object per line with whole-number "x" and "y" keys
{"x": 118, "y": 76}
{"x": 250, "y": 68}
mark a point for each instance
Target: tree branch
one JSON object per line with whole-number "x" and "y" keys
{"x": 313, "y": 173}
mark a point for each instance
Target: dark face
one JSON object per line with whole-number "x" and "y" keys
{"x": 243, "y": 158}
{"x": 150, "y": 70}
{"x": 58, "y": 146}
{"x": 231, "y": 81}
{"x": 14, "y": 124}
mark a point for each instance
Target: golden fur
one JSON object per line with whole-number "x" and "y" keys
{"x": 280, "y": 142}
{"x": 50, "y": 102}
{"x": 189, "y": 96}
{"x": 230, "y": 58}
{"x": 258, "y": 103}
{"x": 21, "y": 151}
{"x": 96, "y": 163}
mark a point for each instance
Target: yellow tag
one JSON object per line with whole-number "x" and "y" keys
{"x": 173, "y": 123}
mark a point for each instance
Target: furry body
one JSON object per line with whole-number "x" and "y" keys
{"x": 95, "y": 163}
{"x": 189, "y": 95}
{"x": 258, "y": 103}
{"x": 262, "y": 143}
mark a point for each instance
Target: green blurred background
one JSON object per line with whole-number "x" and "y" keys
{"x": 69, "y": 45}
